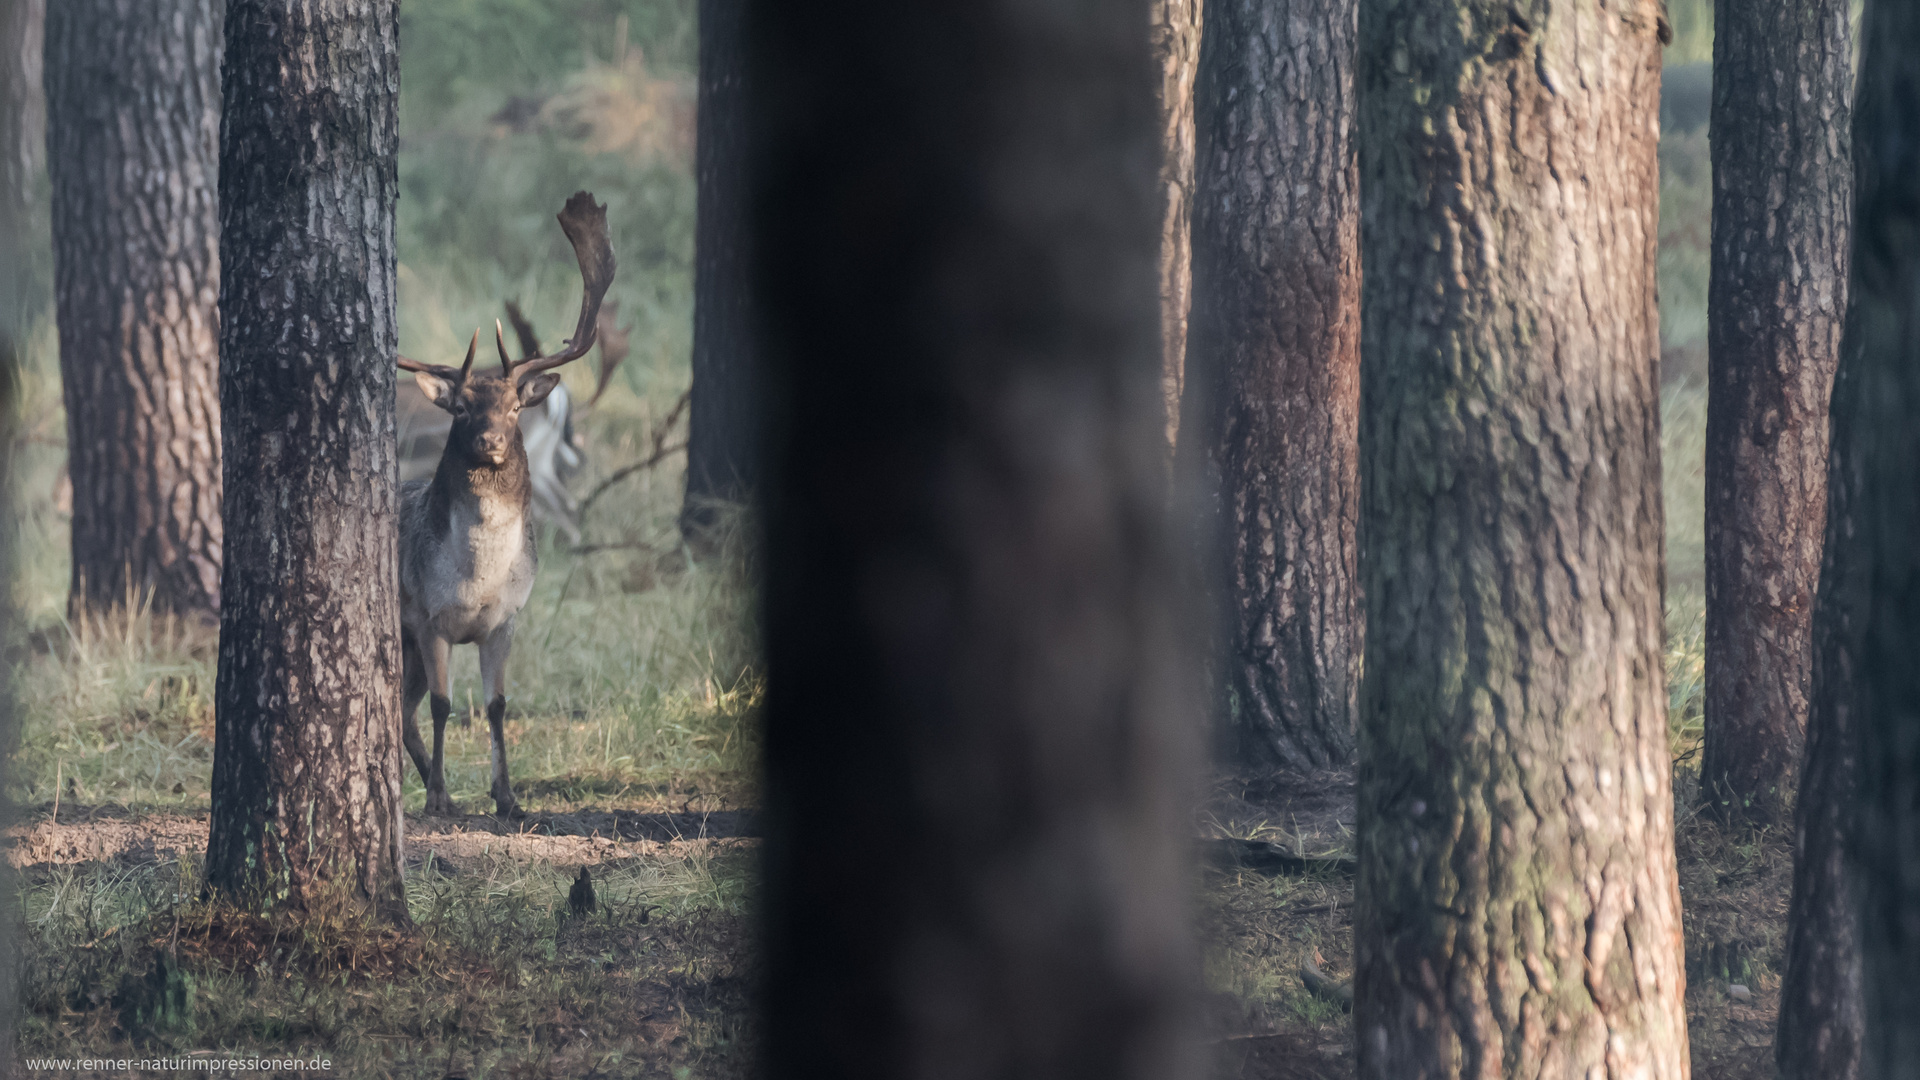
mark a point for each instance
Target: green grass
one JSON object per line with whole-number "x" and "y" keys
{"x": 496, "y": 979}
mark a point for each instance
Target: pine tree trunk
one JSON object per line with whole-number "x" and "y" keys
{"x": 1819, "y": 1033}
{"x": 973, "y": 624}
{"x": 133, "y": 100}
{"x": 1870, "y": 601}
{"x": 1781, "y": 197}
{"x": 1517, "y": 910}
{"x": 721, "y": 451}
{"x": 1176, "y": 44}
{"x": 1275, "y": 370}
{"x": 306, "y": 770}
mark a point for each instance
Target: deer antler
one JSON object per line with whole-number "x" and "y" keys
{"x": 523, "y": 330}
{"x": 585, "y": 224}
{"x": 613, "y": 347}
{"x": 457, "y": 376}
{"x": 500, "y": 342}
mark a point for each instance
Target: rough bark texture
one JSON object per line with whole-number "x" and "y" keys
{"x": 721, "y": 450}
{"x": 1819, "y": 1032}
{"x": 1782, "y": 194}
{"x": 1274, "y": 366}
{"x": 971, "y": 607}
{"x": 1176, "y": 45}
{"x": 1517, "y": 912}
{"x": 133, "y": 99}
{"x": 306, "y": 769}
{"x": 1871, "y": 591}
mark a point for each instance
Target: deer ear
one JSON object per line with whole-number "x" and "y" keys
{"x": 438, "y": 390}
{"x": 535, "y": 390}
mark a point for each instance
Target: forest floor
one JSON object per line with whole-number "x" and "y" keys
{"x": 500, "y": 977}
{"x": 1260, "y": 926}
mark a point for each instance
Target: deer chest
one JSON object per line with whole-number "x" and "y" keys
{"x": 473, "y": 580}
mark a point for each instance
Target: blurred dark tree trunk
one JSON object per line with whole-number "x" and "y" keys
{"x": 133, "y": 108}
{"x": 306, "y": 764}
{"x": 974, "y": 630}
{"x": 1781, "y": 197}
{"x": 1867, "y": 683}
{"x": 1517, "y": 911}
{"x": 721, "y": 451}
{"x": 1274, "y": 370}
{"x": 23, "y": 140}
{"x": 1176, "y": 44}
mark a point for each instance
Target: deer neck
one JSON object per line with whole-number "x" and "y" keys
{"x": 490, "y": 496}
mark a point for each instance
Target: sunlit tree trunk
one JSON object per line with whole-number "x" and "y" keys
{"x": 1176, "y": 45}
{"x": 1274, "y": 370}
{"x": 306, "y": 763}
{"x": 1867, "y": 684}
{"x": 973, "y": 623}
{"x": 133, "y": 99}
{"x": 721, "y": 452}
{"x": 1517, "y": 912}
{"x": 1782, "y": 190}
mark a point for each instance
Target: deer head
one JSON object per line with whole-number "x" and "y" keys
{"x": 485, "y": 406}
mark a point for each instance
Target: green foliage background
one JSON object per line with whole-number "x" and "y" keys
{"x": 506, "y": 108}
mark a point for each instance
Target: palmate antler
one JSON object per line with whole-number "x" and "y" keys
{"x": 585, "y": 224}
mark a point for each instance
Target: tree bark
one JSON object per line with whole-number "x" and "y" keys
{"x": 1871, "y": 591}
{"x": 1781, "y": 198}
{"x": 721, "y": 451}
{"x": 1176, "y": 44}
{"x": 133, "y": 98}
{"x": 306, "y": 770}
{"x": 1517, "y": 910}
{"x": 1819, "y": 1033}
{"x": 973, "y": 623}
{"x": 1275, "y": 370}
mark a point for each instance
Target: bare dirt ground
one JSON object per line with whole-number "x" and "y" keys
{"x": 102, "y": 834}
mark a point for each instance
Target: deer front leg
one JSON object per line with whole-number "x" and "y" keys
{"x": 414, "y": 687}
{"x": 433, "y": 656}
{"x": 493, "y": 676}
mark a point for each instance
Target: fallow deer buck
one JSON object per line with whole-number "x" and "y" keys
{"x": 467, "y": 552}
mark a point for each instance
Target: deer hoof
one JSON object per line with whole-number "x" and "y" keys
{"x": 440, "y": 804}
{"x": 509, "y": 810}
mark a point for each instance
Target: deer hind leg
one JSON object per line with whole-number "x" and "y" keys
{"x": 433, "y": 654}
{"x": 493, "y": 674}
{"x": 413, "y": 681}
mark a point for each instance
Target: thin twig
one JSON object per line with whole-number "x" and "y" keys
{"x": 660, "y": 452}
{"x": 655, "y": 458}
{"x": 625, "y": 545}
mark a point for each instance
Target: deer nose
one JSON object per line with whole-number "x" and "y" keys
{"x": 492, "y": 444}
